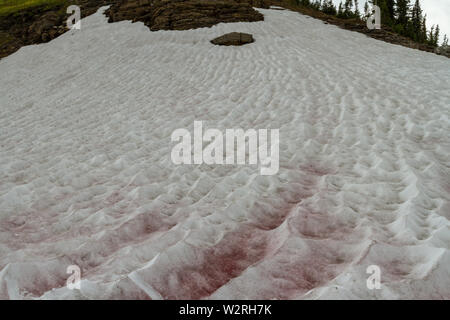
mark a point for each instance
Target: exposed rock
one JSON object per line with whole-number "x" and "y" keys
{"x": 16, "y": 30}
{"x": 40, "y": 23}
{"x": 44, "y": 28}
{"x": 233, "y": 39}
{"x": 257, "y": 3}
{"x": 185, "y": 14}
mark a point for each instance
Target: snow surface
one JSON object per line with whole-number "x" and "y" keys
{"x": 86, "y": 177}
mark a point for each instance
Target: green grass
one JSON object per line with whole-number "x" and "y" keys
{"x": 16, "y": 6}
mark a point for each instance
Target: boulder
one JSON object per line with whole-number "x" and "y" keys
{"x": 233, "y": 39}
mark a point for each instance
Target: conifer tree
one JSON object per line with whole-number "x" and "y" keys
{"x": 416, "y": 22}
{"x": 357, "y": 13}
{"x": 390, "y": 5}
{"x": 445, "y": 42}
{"x": 348, "y": 8}
{"x": 431, "y": 36}
{"x": 316, "y": 5}
{"x": 306, "y": 3}
{"x": 436, "y": 36}
{"x": 328, "y": 7}
{"x": 340, "y": 12}
{"x": 424, "y": 29}
{"x": 366, "y": 10}
{"x": 403, "y": 7}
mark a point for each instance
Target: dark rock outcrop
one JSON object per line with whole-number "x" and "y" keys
{"x": 39, "y": 24}
{"x": 185, "y": 14}
{"x": 233, "y": 39}
{"x": 47, "y": 27}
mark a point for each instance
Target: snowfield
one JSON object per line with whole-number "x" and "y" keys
{"x": 86, "y": 176}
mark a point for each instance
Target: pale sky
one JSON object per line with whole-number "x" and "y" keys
{"x": 438, "y": 12}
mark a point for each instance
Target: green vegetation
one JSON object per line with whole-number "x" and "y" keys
{"x": 16, "y": 6}
{"x": 400, "y": 15}
{"x": 408, "y": 20}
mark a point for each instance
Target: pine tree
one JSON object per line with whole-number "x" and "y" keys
{"x": 348, "y": 8}
{"x": 340, "y": 12}
{"x": 416, "y": 22}
{"x": 390, "y": 4}
{"x": 328, "y": 7}
{"x": 431, "y": 36}
{"x": 305, "y": 3}
{"x": 316, "y": 4}
{"x": 403, "y": 7}
{"x": 366, "y": 10}
{"x": 357, "y": 13}
{"x": 424, "y": 29}
{"x": 445, "y": 42}
{"x": 436, "y": 36}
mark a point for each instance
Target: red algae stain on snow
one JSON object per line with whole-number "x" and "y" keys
{"x": 41, "y": 285}
{"x": 313, "y": 224}
{"x": 315, "y": 170}
{"x": 25, "y": 228}
{"x": 320, "y": 235}
{"x": 252, "y": 244}
{"x": 215, "y": 266}
{"x": 268, "y": 214}
{"x": 314, "y": 266}
{"x": 266, "y": 217}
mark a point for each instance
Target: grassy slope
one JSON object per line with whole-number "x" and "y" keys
{"x": 15, "y": 6}
{"x": 17, "y": 15}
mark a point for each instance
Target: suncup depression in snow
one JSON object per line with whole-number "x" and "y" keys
{"x": 92, "y": 206}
